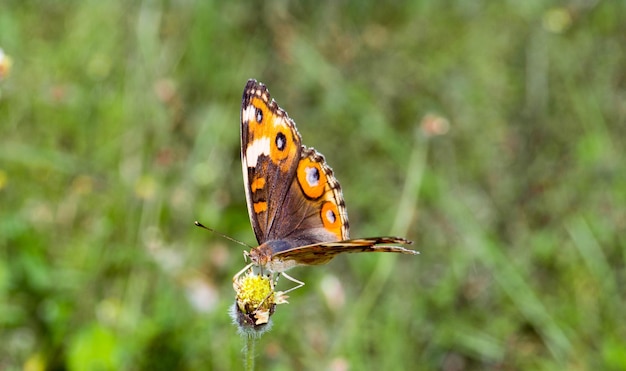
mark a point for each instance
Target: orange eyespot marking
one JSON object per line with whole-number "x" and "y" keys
{"x": 281, "y": 143}
{"x": 311, "y": 178}
{"x": 257, "y": 183}
{"x": 260, "y": 207}
{"x": 331, "y": 219}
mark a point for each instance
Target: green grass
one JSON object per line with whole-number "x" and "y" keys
{"x": 119, "y": 126}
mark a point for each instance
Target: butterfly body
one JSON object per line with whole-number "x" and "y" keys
{"x": 295, "y": 203}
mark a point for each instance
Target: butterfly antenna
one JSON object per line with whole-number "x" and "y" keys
{"x": 198, "y": 224}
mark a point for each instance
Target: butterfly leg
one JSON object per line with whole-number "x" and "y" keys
{"x": 299, "y": 283}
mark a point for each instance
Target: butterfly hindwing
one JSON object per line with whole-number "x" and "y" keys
{"x": 321, "y": 253}
{"x": 314, "y": 210}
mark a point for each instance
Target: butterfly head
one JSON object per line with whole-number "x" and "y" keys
{"x": 264, "y": 256}
{"x": 260, "y": 255}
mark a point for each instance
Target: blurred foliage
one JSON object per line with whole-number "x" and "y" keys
{"x": 491, "y": 133}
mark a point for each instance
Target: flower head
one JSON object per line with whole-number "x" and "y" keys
{"x": 255, "y": 302}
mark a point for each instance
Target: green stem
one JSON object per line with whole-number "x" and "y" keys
{"x": 248, "y": 352}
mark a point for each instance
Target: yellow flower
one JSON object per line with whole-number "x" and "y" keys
{"x": 255, "y": 301}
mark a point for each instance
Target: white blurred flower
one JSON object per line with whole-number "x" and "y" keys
{"x": 5, "y": 64}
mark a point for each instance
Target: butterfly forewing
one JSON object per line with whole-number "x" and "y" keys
{"x": 291, "y": 191}
{"x": 270, "y": 151}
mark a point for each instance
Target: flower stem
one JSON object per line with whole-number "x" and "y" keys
{"x": 248, "y": 352}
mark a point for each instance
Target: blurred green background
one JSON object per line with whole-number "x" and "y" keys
{"x": 490, "y": 133}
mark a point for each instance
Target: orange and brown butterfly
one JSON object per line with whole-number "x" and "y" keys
{"x": 295, "y": 204}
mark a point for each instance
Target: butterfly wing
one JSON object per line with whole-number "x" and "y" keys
{"x": 322, "y": 253}
{"x": 270, "y": 150}
{"x": 292, "y": 195}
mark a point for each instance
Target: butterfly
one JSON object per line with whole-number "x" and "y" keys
{"x": 295, "y": 203}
